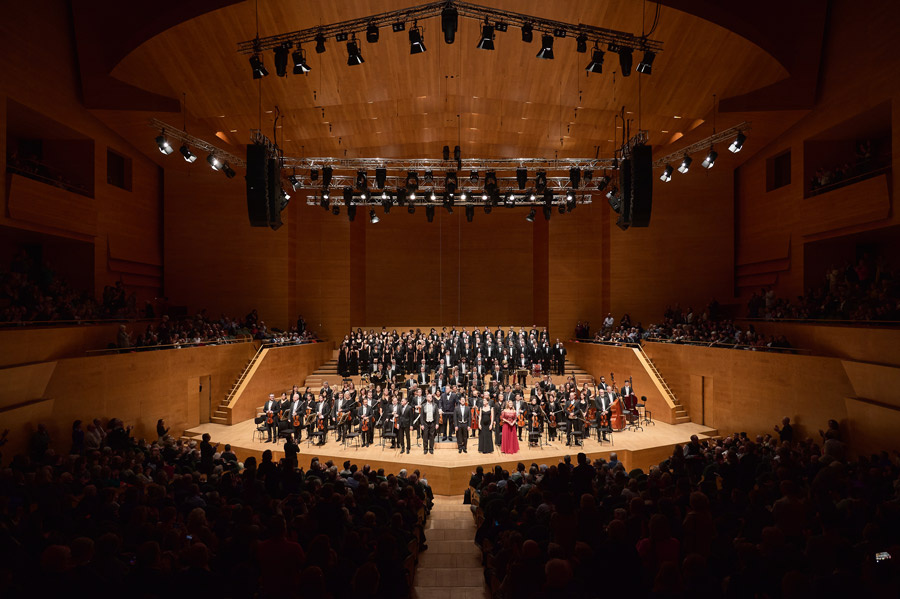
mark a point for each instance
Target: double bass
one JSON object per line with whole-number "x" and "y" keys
{"x": 476, "y": 418}
{"x": 617, "y": 418}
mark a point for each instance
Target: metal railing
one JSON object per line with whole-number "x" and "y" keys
{"x": 146, "y": 348}
{"x": 720, "y": 345}
{"x": 826, "y": 322}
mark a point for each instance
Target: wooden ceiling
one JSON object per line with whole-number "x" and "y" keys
{"x": 509, "y": 102}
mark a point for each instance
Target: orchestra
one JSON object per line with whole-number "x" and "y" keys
{"x": 438, "y": 385}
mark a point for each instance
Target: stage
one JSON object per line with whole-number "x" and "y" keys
{"x": 447, "y": 470}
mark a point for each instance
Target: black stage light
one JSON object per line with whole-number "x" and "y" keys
{"x": 295, "y": 182}
{"x": 449, "y": 23}
{"x": 501, "y": 26}
{"x": 685, "y": 164}
{"x": 325, "y": 195}
{"x": 412, "y": 180}
{"x": 548, "y": 197}
{"x": 575, "y": 177}
{"x": 342, "y": 36}
{"x": 354, "y": 56}
{"x": 666, "y": 175}
{"x": 547, "y": 210}
{"x": 214, "y": 163}
{"x": 362, "y": 180}
{"x": 473, "y": 177}
{"x": 561, "y": 207}
{"x": 429, "y": 213}
{"x": 470, "y": 213}
{"x": 380, "y": 176}
{"x": 373, "y": 218}
{"x": 710, "y": 159}
{"x": 490, "y": 181}
{"x": 588, "y": 176}
{"x": 326, "y": 177}
{"x": 510, "y": 200}
{"x": 386, "y": 202}
{"x": 164, "y": 146}
{"x": 521, "y": 177}
{"x": 348, "y": 195}
{"x": 531, "y": 214}
{"x": 351, "y": 212}
{"x": 602, "y": 182}
{"x": 488, "y": 206}
{"x": 416, "y": 44}
{"x": 596, "y": 64}
{"x": 738, "y": 143}
{"x": 527, "y": 33}
{"x": 398, "y": 26}
{"x": 229, "y": 172}
{"x": 300, "y": 66}
{"x": 323, "y": 201}
{"x": 372, "y": 33}
{"x": 450, "y": 182}
{"x": 320, "y": 43}
{"x": 546, "y": 50}
{"x": 186, "y": 152}
{"x": 581, "y": 44}
{"x": 429, "y": 177}
{"x": 257, "y": 66}
{"x": 646, "y": 64}
{"x": 487, "y": 38}
{"x": 281, "y": 60}
{"x": 571, "y": 203}
{"x": 313, "y": 174}
{"x": 448, "y": 202}
{"x": 445, "y": 153}
{"x": 626, "y": 60}
{"x": 540, "y": 181}
{"x": 336, "y": 210}
{"x": 559, "y": 32}
{"x": 456, "y": 153}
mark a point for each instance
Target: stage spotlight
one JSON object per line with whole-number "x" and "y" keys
{"x": 488, "y": 206}
{"x": 326, "y": 177}
{"x": 411, "y": 208}
{"x": 532, "y": 197}
{"x": 612, "y": 193}
{"x": 484, "y": 197}
{"x": 490, "y": 181}
{"x": 738, "y": 143}
{"x": 456, "y": 153}
{"x": 188, "y": 155}
{"x": 342, "y": 36}
{"x": 463, "y": 196}
{"x": 487, "y": 38}
{"x": 398, "y": 26}
{"x": 363, "y": 195}
{"x": 575, "y": 177}
{"x": 646, "y": 64}
{"x": 380, "y": 177}
{"x": 354, "y": 56}
{"x": 571, "y": 203}
{"x": 320, "y": 43}
{"x": 710, "y": 159}
{"x": 470, "y": 213}
{"x": 547, "y": 210}
{"x": 372, "y": 33}
{"x": 570, "y": 196}
{"x": 540, "y": 181}
{"x": 348, "y": 195}
{"x": 257, "y": 66}
{"x": 412, "y": 181}
{"x": 527, "y": 33}
{"x": 548, "y": 197}
{"x": 214, "y": 163}
{"x": 615, "y": 203}
{"x": 295, "y": 182}
{"x": 445, "y": 153}
{"x": 416, "y": 45}
{"x": 666, "y": 175}
{"x": 602, "y": 182}
{"x": 521, "y": 177}
{"x": 449, "y": 23}
{"x": 323, "y": 201}
{"x": 530, "y": 217}
{"x": 588, "y": 176}
{"x": 433, "y": 196}
{"x": 164, "y": 146}
{"x": 229, "y": 172}
{"x": 581, "y": 44}
{"x": 411, "y": 196}
{"x": 596, "y": 64}
{"x": 362, "y": 180}
{"x": 473, "y": 177}
{"x": 429, "y": 177}
{"x": 386, "y": 202}
{"x": 685, "y": 164}
{"x": 351, "y": 212}
{"x": 546, "y": 50}
{"x": 448, "y": 203}
{"x": 625, "y": 60}
{"x": 313, "y": 174}
{"x": 325, "y": 195}
{"x": 373, "y": 218}
{"x": 429, "y": 213}
{"x": 336, "y": 210}
{"x": 561, "y": 206}
{"x": 281, "y": 60}
{"x": 559, "y": 32}
{"x": 450, "y": 182}
{"x": 510, "y": 200}
{"x": 300, "y": 66}
{"x": 501, "y": 26}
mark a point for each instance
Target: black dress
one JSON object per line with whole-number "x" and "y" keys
{"x": 354, "y": 362}
{"x": 485, "y": 435}
{"x": 342, "y": 361}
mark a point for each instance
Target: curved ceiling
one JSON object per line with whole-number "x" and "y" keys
{"x": 509, "y": 102}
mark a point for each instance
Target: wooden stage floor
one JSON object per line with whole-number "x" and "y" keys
{"x": 447, "y": 470}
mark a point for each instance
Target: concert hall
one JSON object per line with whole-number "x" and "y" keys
{"x": 449, "y": 299}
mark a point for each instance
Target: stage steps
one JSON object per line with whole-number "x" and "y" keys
{"x": 220, "y": 415}
{"x": 681, "y": 415}
{"x": 327, "y": 371}
{"x": 451, "y": 566}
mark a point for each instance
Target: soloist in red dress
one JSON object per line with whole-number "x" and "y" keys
{"x": 509, "y": 442}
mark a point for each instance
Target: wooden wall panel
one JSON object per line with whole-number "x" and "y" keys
{"x": 27, "y": 345}
{"x": 872, "y": 428}
{"x": 214, "y": 258}
{"x": 24, "y": 383}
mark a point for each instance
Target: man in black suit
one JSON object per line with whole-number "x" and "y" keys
{"x": 428, "y": 421}
{"x": 603, "y": 403}
{"x": 422, "y": 378}
{"x": 461, "y": 423}
{"x": 559, "y": 351}
{"x": 271, "y": 405}
{"x": 366, "y": 413}
{"x": 340, "y": 415}
{"x": 447, "y": 403}
{"x": 404, "y": 419}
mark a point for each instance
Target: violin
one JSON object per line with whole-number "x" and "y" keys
{"x": 270, "y": 418}
{"x": 296, "y": 420}
{"x": 321, "y": 425}
{"x": 552, "y": 419}
{"x": 521, "y": 420}
{"x": 535, "y": 423}
{"x": 591, "y": 414}
{"x": 364, "y": 427}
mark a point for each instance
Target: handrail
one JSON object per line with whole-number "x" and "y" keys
{"x": 610, "y": 343}
{"x": 718, "y": 345}
{"x": 143, "y": 348}
{"x": 849, "y": 180}
{"x": 73, "y": 323}
{"x": 826, "y": 321}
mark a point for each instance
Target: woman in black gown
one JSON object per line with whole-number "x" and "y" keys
{"x": 344, "y": 358}
{"x": 486, "y": 434}
{"x": 354, "y": 361}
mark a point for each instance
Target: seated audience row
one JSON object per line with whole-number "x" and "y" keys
{"x": 169, "y": 518}
{"x": 773, "y": 516}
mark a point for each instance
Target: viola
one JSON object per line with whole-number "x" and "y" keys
{"x": 534, "y": 421}
{"x": 521, "y": 420}
{"x": 364, "y": 427}
{"x": 321, "y": 426}
{"x": 552, "y": 419}
{"x": 270, "y": 418}
{"x": 296, "y": 420}
{"x": 591, "y": 414}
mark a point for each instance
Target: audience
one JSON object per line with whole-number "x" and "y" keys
{"x": 129, "y": 514}
{"x": 730, "y": 517}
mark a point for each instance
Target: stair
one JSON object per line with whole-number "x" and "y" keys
{"x": 681, "y": 415}
{"x": 451, "y": 566}
{"x": 221, "y": 415}
{"x": 326, "y": 372}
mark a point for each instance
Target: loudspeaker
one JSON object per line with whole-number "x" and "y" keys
{"x": 257, "y": 186}
{"x": 625, "y": 190}
{"x": 641, "y": 185}
{"x": 273, "y": 172}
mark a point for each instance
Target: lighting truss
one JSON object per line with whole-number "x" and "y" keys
{"x": 475, "y": 12}
{"x": 195, "y": 142}
{"x": 425, "y": 200}
{"x": 726, "y": 136}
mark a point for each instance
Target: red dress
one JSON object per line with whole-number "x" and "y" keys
{"x": 509, "y": 442}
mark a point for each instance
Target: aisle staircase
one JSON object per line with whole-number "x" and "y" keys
{"x": 681, "y": 415}
{"x": 220, "y": 415}
{"x": 326, "y": 372}
{"x": 451, "y": 567}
